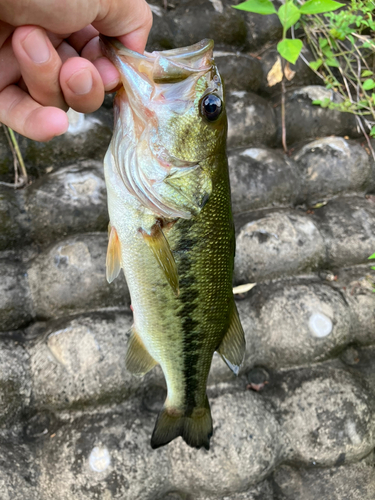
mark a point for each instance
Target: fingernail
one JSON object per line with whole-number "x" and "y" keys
{"x": 36, "y": 47}
{"x": 81, "y": 82}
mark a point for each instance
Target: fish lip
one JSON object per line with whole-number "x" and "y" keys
{"x": 159, "y": 67}
{"x": 196, "y": 50}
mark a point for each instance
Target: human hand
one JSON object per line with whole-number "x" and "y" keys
{"x": 50, "y": 58}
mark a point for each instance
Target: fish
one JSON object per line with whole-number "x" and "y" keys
{"x": 171, "y": 227}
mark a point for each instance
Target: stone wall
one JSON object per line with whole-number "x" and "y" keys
{"x": 299, "y": 421}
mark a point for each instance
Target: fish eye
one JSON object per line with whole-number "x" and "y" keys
{"x": 211, "y": 107}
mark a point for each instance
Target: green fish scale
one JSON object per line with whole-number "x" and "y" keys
{"x": 204, "y": 248}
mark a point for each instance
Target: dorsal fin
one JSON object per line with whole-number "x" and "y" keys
{"x": 159, "y": 246}
{"x": 233, "y": 345}
{"x": 113, "y": 260}
{"x": 138, "y": 361}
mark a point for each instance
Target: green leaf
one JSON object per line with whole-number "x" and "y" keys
{"x": 372, "y": 256}
{"x": 372, "y": 133}
{"x": 290, "y": 49}
{"x": 332, "y": 62}
{"x": 319, "y": 6}
{"x": 258, "y": 6}
{"x": 366, "y": 73}
{"x": 323, "y": 103}
{"x": 315, "y": 65}
{"x": 323, "y": 42}
{"x": 368, "y": 84}
{"x": 288, "y": 14}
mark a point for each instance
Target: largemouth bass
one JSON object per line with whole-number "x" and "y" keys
{"x": 171, "y": 227}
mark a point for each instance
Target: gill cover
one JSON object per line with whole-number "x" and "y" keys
{"x": 162, "y": 94}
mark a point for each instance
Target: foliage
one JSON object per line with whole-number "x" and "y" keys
{"x": 343, "y": 44}
{"x": 289, "y": 13}
{"x": 372, "y": 257}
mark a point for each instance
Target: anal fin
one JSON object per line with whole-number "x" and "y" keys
{"x": 233, "y": 345}
{"x": 113, "y": 260}
{"x": 159, "y": 246}
{"x": 137, "y": 360}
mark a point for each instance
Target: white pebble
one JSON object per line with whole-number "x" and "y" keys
{"x": 99, "y": 459}
{"x": 320, "y": 325}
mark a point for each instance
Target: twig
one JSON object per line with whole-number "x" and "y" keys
{"x": 283, "y": 125}
{"x": 18, "y": 153}
{"x": 18, "y": 162}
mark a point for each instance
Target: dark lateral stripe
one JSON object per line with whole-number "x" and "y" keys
{"x": 190, "y": 327}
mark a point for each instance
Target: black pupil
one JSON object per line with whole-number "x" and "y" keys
{"x": 211, "y": 107}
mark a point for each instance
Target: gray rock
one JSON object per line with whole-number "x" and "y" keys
{"x": 18, "y": 472}
{"x": 348, "y": 228}
{"x": 303, "y": 74}
{"x": 277, "y": 245}
{"x": 6, "y": 159}
{"x": 327, "y": 415}
{"x": 357, "y": 286}
{"x": 290, "y": 324}
{"x": 262, "y": 491}
{"x": 88, "y": 137}
{"x": 69, "y": 201}
{"x": 306, "y": 121}
{"x": 103, "y": 456}
{"x": 15, "y": 383}
{"x": 81, "y": 362}
{"x": 193, "y": 20}
{"x": 11, "y": 233}
{"x": 15, "y": 300}
{"x": 251, "y": 120}
{"x": 161, "y": 36}
{"x": 352, "y": 482}
{"x": 361, "y": 361}
{"x": 239, "y": 71}
{"x": 261, "y": 29}
{"x": 247, "y": 439}
{"x": 331, "y": 166}
{"x": 70, "y": 278}
{"x": 260, "y": 178}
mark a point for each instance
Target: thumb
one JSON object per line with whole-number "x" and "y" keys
{"x": 129, "y": 20}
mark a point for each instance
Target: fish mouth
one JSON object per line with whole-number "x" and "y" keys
{"x": 168, "y": 66}
{"x": 156, "y": 86}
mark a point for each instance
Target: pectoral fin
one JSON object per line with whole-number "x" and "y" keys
{"x": 232, "y": 347}
{"x": 113, "y": 260}
{"x": 159, "y": 246}
{"x": 192, "y": 188}
{"x": 138, "y": 361}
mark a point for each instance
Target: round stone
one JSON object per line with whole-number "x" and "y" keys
{"x": 320, "y": 325}
{"x": 99, "y": 459}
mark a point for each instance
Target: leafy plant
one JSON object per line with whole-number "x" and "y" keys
{"x": 343, "y": 44}
{"x": 289, "y": 48}
{"x": 289, "y": 14}
{"x": 372, "y": 257}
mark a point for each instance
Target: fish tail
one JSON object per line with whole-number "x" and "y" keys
{"x": 195, "y": 427}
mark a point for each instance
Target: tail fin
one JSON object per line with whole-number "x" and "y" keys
{"x": 195, "y": 428}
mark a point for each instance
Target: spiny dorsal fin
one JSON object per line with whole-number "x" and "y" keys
{"x": 159, "y": 246}
{"x": 232, "y": 347}
{"x": 138, "y": 361}
{"x": 113, "y": 260}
